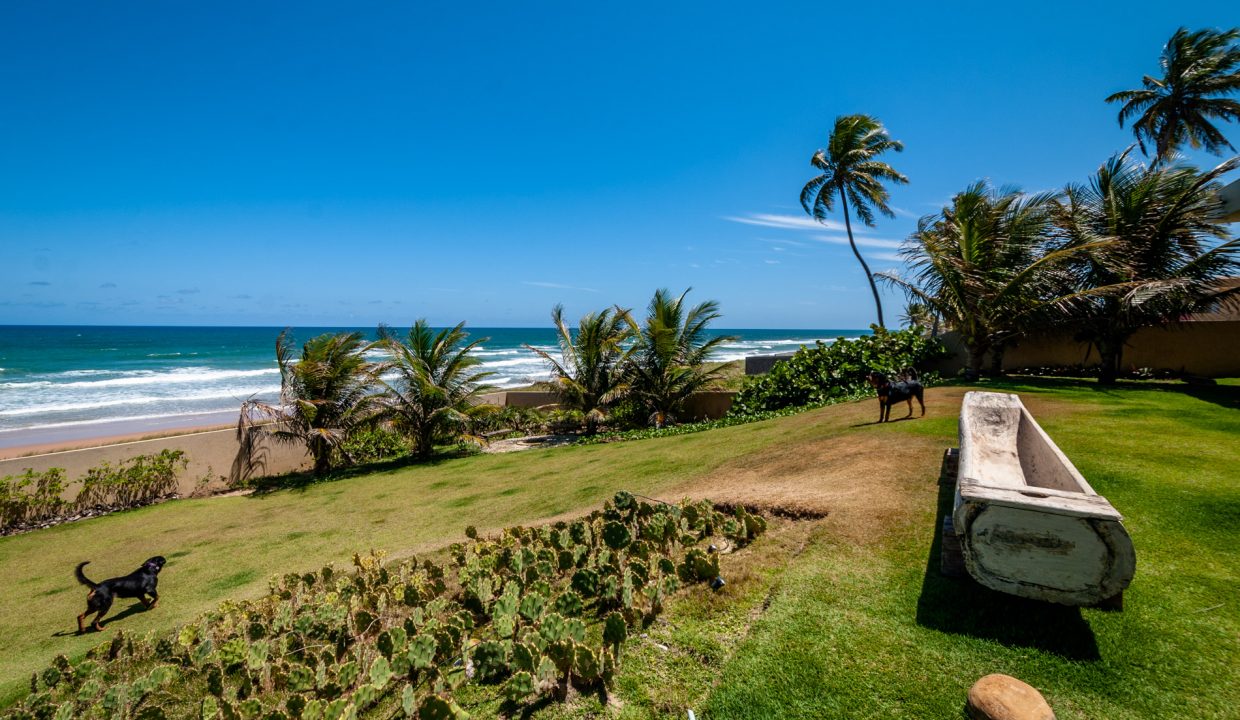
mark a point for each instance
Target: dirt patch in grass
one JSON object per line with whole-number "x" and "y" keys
{"x": 845, "y": 467}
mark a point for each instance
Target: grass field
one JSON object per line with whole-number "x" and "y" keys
{"x": 836, "y": 616}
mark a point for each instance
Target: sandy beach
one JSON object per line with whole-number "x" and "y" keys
{"x": 37, "y": 441}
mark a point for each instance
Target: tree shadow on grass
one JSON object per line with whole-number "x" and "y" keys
{"x": 303, "y": 480}
{"x": 962, "y": 606}
{"x": 1227, "y": 396}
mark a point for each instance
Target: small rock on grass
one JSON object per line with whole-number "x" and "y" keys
{"x": 1003, "y": 697}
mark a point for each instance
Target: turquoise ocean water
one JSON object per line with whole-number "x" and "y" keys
{"x": 61, "y": 382}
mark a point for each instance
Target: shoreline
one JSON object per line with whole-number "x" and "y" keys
{"x": 42, "y": 441}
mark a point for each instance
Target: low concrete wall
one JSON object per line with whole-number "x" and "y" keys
{"x": 760, "y": 364}
{"x": 1206, "y": 348}
{"x": 210, "y": 454}
{"x": 708, "y": 405}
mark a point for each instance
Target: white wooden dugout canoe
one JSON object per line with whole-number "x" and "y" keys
{"x": 1027, "y": 522}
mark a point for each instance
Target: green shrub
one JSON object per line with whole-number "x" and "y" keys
{"x": 378, "y": 443}
{"x": 511, "y": 417}
{"x": 136, "y": 481}
{"x": 563, "y": 421}
{"x": 130, "y": 483}
{"x": 19, "y": 504}
{"x": 825, "y": 373}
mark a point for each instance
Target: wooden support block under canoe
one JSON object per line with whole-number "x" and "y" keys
{"x": 1028, "y": 523}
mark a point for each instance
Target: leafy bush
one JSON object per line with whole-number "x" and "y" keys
{"x": 564, "y": 421}
{"x": 520, "y": 616}
{"x": 511, "y": 417}
{"x": 136, "y": 481}
{"x": 377, "y": 443}
{"x": 131, "y": 483}
{"x": 817, "y": 375}
{"x": 18, "y": 504}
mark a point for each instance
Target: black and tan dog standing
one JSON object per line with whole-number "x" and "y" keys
{"x": 904, "y": 389}
{"x": 138, "y": 584}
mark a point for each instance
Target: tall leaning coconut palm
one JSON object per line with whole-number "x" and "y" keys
{"x": 668, "y": 362}
{"x": 325, "y": 396}
{"x": 432, "y": 389}
{"x": 590, "y": 372}
{"x": 852, "y": 173}
{"x": 1200, "y": 70}
{"x": 1167, "y": 254}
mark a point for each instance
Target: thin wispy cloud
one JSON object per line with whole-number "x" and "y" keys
{"x": 771, "y": 262}
{"x": 40, "y": 283}
{"x": 556, "y": 286}
{"x": 785, "y": 222}
{"x": 782, "y": 241}
{"x": 862, "y": 241}
{"x": 188, "y": 291}
{"x": 107, "y": 286}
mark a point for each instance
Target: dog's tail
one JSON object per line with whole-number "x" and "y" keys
{"x": 910, "y": 373}
{"x": 81, "y": 576}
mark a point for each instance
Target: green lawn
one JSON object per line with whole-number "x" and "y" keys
{"x": 874, "y": 631}
{"x": 842, "y": 616}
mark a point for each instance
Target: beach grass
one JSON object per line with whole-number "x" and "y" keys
{"x": 842, "y": 615}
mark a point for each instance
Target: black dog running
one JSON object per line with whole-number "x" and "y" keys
{"x": 137, "y": 584}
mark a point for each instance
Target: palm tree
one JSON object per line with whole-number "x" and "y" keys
{"x": 1164, "y": 259}
{"x": 1200, "y": 69}
{"x": 920, "y": 316}
{"x": 667, "y": 364}
{"x": 325, "y": 396}
{"x": 851, "y": 172}
{"x": 434, "y": 392}
{"x": 590, "y": 373}
{"x": 979, "y": 264}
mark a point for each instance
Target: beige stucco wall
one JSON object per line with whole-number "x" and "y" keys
{"x": 1207, "y": 348}
{"x": 210, "y": 456}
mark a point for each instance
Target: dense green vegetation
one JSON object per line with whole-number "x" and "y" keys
{"x": 826, "y": 373}
{"x": 528, "y": 613}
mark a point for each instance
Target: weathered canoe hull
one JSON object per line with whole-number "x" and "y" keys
{"x": 1027, "y": 522}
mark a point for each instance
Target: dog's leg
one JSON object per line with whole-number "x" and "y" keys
{"x": 910, "y": 408}
{"x": 106, "y": 605}
{"x": 922, "y": 404}
{"x": 154, "y": 601}
{"x": 81, "y": 618}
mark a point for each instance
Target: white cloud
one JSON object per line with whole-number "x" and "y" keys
{"x": 771, "y": 262}
{"x": 556, "y": 286}
{"x": 862, "y": 241}
{"x": 786, "y": 222}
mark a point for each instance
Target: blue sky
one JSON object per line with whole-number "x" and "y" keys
{"x": 365, "y": 162}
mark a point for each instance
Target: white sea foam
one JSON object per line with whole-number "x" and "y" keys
{"x": 179, "y": 376}
{"x": 234, "y": 393}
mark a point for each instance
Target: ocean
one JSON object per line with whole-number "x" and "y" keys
{"x": 66, "y": 383}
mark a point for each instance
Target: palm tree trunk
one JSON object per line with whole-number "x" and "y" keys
{"x": 1110, "y": 354}
{"x": 977, "y": 354}
{"x": 996, "y": 358}
{"x": 868, "y": 275}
